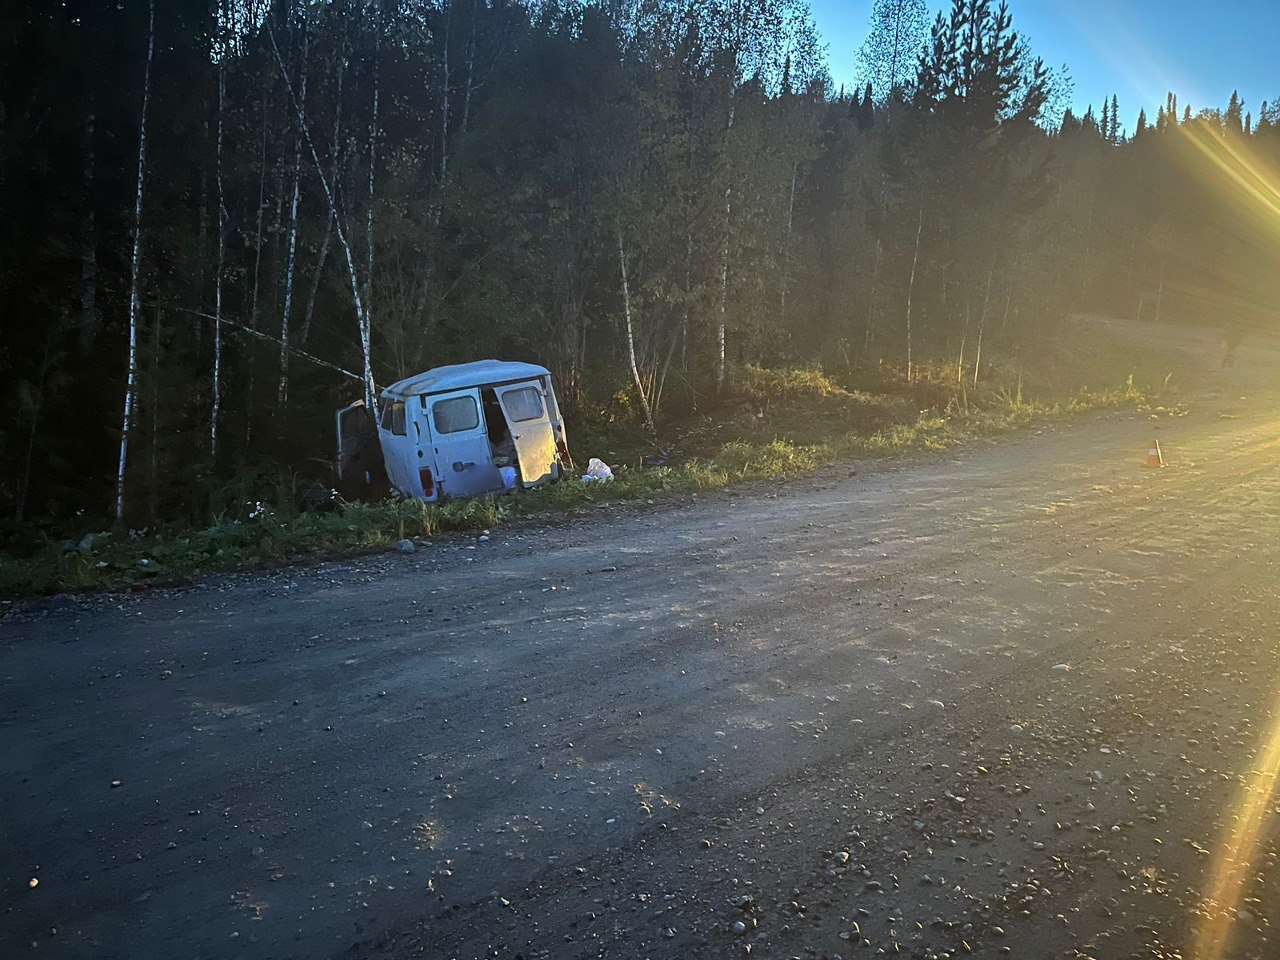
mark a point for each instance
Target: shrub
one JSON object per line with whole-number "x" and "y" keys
{"x": 761, "y": 384}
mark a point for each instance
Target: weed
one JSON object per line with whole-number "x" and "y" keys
{"x": 814, "y": 421}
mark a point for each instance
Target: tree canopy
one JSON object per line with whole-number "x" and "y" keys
{"x": 337, "y": 193}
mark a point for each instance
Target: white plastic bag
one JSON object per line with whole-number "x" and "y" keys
{"x": 597, "y": 471}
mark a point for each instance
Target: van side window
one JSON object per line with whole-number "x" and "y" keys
{"x": 393, "y": 417}
{"x": 522, "y": 404}
{"x": 455, "y": 415}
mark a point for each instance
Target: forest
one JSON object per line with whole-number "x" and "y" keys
{"x": 225, "y": 219}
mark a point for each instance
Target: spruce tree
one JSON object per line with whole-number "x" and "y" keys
{"x": 1235, "y": 108}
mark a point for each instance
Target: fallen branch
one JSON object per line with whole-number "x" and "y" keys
{"x": 262, "y": 336}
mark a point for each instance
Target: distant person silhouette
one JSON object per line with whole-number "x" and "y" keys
{"x": 1232, "y": 340}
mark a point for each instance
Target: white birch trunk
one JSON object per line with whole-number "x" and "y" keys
{"x": 262, "y": 200}
{"x": 335, "y": 151}
{"x": 471, "y": 64}
{"x": 721, "y": 321}
{"x": 977, "y": 360}
{"x": 338, "y": 227}
{"x": 222, "y": 245}
{"x": 257, "y": 266}
{"x": 366, "y": 327}
{"x": 131, "y": 384}
{"x": 304, "y": 334}
{"x": 982, "y": 324}
{"x": 282, "y": 390}
{"x": 1160, "y": 291}
{"x": 631, "y": 340}
{"x": 444, "y": 95}
{"x": 911, "y": 286}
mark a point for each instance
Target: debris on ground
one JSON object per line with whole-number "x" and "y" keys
{"x": 597, "y": 470}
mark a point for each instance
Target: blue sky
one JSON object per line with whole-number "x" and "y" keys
{"x": 1136, "y": 49}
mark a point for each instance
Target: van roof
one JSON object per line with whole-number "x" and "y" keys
{"x": 459, "y": 376}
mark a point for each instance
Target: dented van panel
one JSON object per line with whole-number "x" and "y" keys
{"x": 471, "y": 429}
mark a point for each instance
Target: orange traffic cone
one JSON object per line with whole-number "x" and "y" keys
{"x": 1154, "y": 457}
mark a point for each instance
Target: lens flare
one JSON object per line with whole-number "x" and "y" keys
{"x": 1233, "y": 862}
{"x": 1250, "y": 183}
{"x": 1240, "y": 173}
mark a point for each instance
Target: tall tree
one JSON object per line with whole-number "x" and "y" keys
{"x": 131, "y": 381}
{"x": 1234, "y": 119}
{"x": 301, "y": 24}
{"x": 899, "y": 30}
{"x": 226, "y": 31}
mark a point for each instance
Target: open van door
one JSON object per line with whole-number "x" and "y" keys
{"x": 524, "y": 405}
{"x": 360, "y": 470}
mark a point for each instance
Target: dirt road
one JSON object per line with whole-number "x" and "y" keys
{"x": 1011, "y": 699}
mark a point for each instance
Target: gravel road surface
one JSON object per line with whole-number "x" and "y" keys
{"x": 1013, "y": 699}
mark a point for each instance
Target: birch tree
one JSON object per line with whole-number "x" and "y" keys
{"x": 226, "y": 30}
{"x": 636, "y": 379}
{"x": 366, "y": 325}
{"x": 635, "y": 194}
{"x": 339, "y": 228}
{"x": 899, "y": 29}
{"x": 282, "y": 392}
{"x": 131, "y": 381}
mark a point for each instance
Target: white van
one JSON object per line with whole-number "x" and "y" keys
{"x": 468, "y": 430}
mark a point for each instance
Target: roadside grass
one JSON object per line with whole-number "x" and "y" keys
{"x": 812, "y": 420}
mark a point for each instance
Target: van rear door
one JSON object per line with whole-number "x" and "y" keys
{"x": 355, "y": 432}
{"x": 461, "y": 444}
{"x": 525, "y": 407}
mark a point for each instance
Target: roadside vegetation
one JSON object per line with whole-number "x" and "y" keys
{"x": 781, "y": 423}
{"x": 225, "y": 221}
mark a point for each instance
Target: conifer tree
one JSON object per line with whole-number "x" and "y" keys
{"x": 504, "y": 182}
{"x": 1233, "y": 118}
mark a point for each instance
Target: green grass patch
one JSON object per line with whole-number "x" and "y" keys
{"x": 811, "y": 421}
